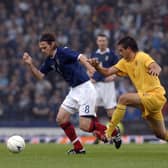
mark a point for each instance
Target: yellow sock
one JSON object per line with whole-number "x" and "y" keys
{"x": 117, "y": 116}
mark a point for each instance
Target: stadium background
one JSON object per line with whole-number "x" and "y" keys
{"x": 76, "y": 23}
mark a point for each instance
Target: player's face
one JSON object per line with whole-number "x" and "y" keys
{"x": 102, "y": 43}
{"x": 125, "y": 53}
{"x": 46, "y": 49}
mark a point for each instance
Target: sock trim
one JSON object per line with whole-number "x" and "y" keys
{"x": 74, "y": 141}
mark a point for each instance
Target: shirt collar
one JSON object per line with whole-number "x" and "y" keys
{"x": 54, "y": 53}
{"x": 102, "y": 52}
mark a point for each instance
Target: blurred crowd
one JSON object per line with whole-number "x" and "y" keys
{"x": 76, "y": 24}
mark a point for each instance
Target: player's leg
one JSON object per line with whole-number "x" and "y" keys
{"x": 131, "y": 99}
{"x": 106, "y": 98}
{"x": 63, "y": 119}
{"x": 153, "y": 104}
{"x": 91, "y": 124}
{"x": 116, "y": 137}
{"x": 109, "y": 101}
{"x": 87, "y": 103}
{"x": 68, "y": 107}
{"x": 158, "y": 127}
{"x": 109, "y": 114}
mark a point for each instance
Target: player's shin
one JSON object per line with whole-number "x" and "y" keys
{"x": 71, "y": 134}
{"x": 98, "y": 129}
{"x": 117, "y": 116}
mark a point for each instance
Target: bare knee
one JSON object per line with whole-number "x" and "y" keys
{"x": 84, "y": 123}
{"x": 83, "y": 126}
{"x": 62, "y": 117}
{"x": 59, "y": 120}
{"x": 123, "y": 99}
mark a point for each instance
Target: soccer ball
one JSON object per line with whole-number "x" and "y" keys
{"x": 15, "y": 144}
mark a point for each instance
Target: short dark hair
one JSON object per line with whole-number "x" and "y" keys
{"x": 48, "y": 37}
{"x": 101, "y": 35}
{"x": 128, "y": 42}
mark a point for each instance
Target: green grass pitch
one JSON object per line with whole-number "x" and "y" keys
{"x": 98, "y": 156}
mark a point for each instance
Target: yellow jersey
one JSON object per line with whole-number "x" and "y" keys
{"x": 137, "y": 71}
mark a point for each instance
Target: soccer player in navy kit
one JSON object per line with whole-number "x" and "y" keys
{"x": 105, "y": 86}
{"x": 82, "y": 96}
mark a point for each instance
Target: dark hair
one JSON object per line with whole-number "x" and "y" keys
{"x": 128, "y": 42}
{"x": 48, "y": 37}
{"x": 101, "y": 35}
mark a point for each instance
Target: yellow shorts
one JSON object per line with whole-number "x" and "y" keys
{"x": 153, "y": 103}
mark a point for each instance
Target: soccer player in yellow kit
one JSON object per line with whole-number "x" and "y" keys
{"x": 143, "y": 72}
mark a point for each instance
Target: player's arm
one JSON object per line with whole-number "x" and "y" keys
{"x": 107, "y": 71}
{"x": 84, "y": 61}
{"x": 27, "y": 59}
{"x": 154, "y": 69}
{"x": 104, "y": 71}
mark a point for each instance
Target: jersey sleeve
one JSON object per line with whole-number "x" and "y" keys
{"x": 70, "y": 54}
{"x": 148, "y": 60}
{"x": 44, "y": 68}
{"x": 122, "y": 69}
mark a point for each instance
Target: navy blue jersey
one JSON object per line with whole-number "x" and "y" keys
{"x": 66, "y": 63}
{"x": 107, "y": 59}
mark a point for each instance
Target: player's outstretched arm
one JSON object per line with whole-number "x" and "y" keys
{"x": 84, "y": 60}
{"x": 154, "y": 69}
{"x": 27, "y": 59}
{"x": 104, "y": 71}
{"x": 107, "y": 71}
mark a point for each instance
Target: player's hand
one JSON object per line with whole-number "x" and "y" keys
{"x": 154, "y": 69}
{"x": 94, "y": 62}
{"x": 27, "y": 58}
{"x": 154, "y": 72}
{"x": 109, "y": 131}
